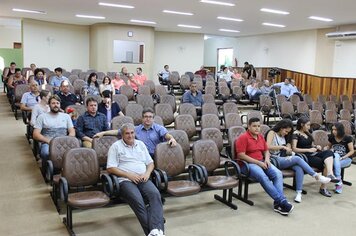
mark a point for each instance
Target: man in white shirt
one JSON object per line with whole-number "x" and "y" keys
{"x": 286, "y": 87}
{"x": 130, "y": 161}
{"x": 253, "y": 91}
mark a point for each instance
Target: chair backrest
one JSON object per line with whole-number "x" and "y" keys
{"x": 101, "y": 147}
{"x": 230, "y": 107}
{"x": 254, "y": 114}
{"x": 232, "y": 119}
{"x": 185, "y": 123}
{"x": 135, "y": 112}
{"x": 347, "y": 105}
{"x": 303, "y": 108}
{"x": 73, "y": 78}
{"x": 208, "y": 98}
{"x": 184, "y": 82}
{"x": 265, "y": 103}
{"x": 81, "y": 167}
{"x": 294, "y": 99}
{"x": 128, "y": 91}
{"x": 320, "y": 138}
{"x": 206, "y": 153}
{"x": 281, "y": 99}
{"x": 330, "y": 105}
{"x": 76, "y": 72}
{"x": 333, "y": 98}
{"x": 287, "y": 108}
{"x": 224, "y": 91}
{"x": 321, "y": 99}
{"x": 210, "y": 108}
{"x": 215, "y": 135}
{"x": 308, "y": 99}
{"x": 182, "y": 138}
{"x": 118, "y": 121}
{"x": 233, "y": 133}
{"x": 318, "y": 106}
{"x": 78, "y": 85}
{"x": 174, "y": 78}
{"x": 188, "y": 108}
{"x": 344, "y": 98}
{"x": 165, "y": 112}
{"x": 264, "y": 129}
{"x": 145, "y": 100}
{"x": 169, "y": 159}
{"x": 96, "y": 97}
{"x": 210, "y": 121}
{"x": 20, "y": 90}
{"x": 347, "y": 126}
{"x": 121, "y": 100}
{"x": 160, "y": 90}
{"x": 158, "y": 120}
{"x": 315, "y": 117}
{"x": 169, "y": 99}
{"x": 210, "y": 89}
{"x": 144, "y": 90}
{"x": 57, "y": 148}
{"x": 345, "y": 115}
{"x": 150, "y": 84}
{"x": 330, "y": 116}
{"x": 80, "y": 109}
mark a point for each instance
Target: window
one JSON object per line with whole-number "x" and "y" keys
{"x": 225, "y": 56}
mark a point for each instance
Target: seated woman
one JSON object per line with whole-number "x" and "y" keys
{"x": 107, "y": 85}
{"x": 15, "y": 80}
{"x": 343, "y": 148}
{"x": 279, "y": 144}
{"x": 92, "y": 87}
{"x": 108, "y": 108}
{"x": 40, "y": 76}
{"x": 303, "y": 143}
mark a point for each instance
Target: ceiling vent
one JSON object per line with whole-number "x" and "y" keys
{"x": 341, "y": 35}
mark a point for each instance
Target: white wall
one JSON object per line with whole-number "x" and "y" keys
{"x": 344, "y": 60}
{"x": 293, "y": 50}
{"x": 9, "y": 35}
{"x": 51, "y": 45}
{"x": 181, "y": 51}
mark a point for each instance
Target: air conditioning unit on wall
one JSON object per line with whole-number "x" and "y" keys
{"x": 341, "y": 35}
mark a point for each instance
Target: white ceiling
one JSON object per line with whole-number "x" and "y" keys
{"x": 205, "y": 15}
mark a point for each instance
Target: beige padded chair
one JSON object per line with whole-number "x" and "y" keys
{"x": 135, "y": 112}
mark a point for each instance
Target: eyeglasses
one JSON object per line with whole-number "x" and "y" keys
{"x": 149, "y": 117}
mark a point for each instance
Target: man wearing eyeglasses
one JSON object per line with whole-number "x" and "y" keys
{"x": 148, "y": 132}
{"x": 31, "y": 98}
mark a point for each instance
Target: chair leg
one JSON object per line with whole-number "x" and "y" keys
{"x": 243, "y": 198}
{"x": 226, "y": 198}
{"x": 342, "y": 177}
{"x": 68, "y": 221}
{"x": 54, "y": 196}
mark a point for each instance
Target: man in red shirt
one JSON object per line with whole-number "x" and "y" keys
{"x": 251, "y": 147}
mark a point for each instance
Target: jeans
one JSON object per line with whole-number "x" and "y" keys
{"x": 44, "y": 153}
{"x": 299, "y": 166}
{"x": 339, "y": 164}
{"x": 150, "y": 216}
{"x": 271, "y": 180}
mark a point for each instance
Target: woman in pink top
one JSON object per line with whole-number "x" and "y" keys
{"x": 236, "y": 74}
{"x": 117, "y": 82}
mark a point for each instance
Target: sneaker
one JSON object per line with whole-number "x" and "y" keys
{"x": 325, "y": 192}
{"x": 322, "y": 179}
{"x": 298, "y": 198}
{"x": 155, "y": 232}
{"x": 284, "y": 208}
{"x": 338, "y": 188}
{"x": 333, "y": 179}
{"x": 161, "y": 232}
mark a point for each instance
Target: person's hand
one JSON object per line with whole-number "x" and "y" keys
{"x": 313, "y": 149}
{"x": 318, "y": 147}
{"x": 268, "y": 163}
{"x": 134, "y": 178}
{"x": 288, "y": 149}
{"x": 98, "y": 135}
{"x": 145, "y": 177}
{"x": 172, "y": 142}
{"x": 263, "y": 165}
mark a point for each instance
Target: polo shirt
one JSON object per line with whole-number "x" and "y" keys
{"x": 196, "y": 100}
{"x": 133, "y": 159}
{"x": 88, "y": 125}
{"x": 252, "y": 147}
{"x": 151, "y": 136}
{"x": 29, "y": 99}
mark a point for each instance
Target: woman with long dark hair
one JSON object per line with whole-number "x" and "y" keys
{"x": 343, "y": 148}
{"x": 92, "y": 87}
{"x": 279, "y": 144}
{"x": 303, "y": 142}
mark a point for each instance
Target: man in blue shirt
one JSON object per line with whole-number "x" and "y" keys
{"x": 57, "y": 80}
{"x": 286, "y": 87}
{"x": 148, "y": 132}
{"x": 30, "y": 99}
{"x": 90, "y": 123}
{"x": 164, "y": 75}
{"x": 193, "y": 96}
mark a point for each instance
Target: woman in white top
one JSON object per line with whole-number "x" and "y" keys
{"x": 279, "y": 144}
{"x": 107, "y": 85}
{"x": 41, "y": 107}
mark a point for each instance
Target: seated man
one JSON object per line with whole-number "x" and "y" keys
{"x": 202, "y": 72}
{"x": 252, "y": 148}
{"x": 253, "y": 91}
{"x": 30, "y": 99}
{"x": 67, "y": 98}
{"x": 295, "y": 90}
{"x": 57, "y": 80}
{"x": 52, "y": 124}
{"x": 148, "y": 132}
{"x": 90, "y": 123}
{"x": 139, "y": 79}
{"x": 226, "y": 75}
{"x": 266, "y": 89}
{"x": 193, "y": 96}
{"x": 129, "y": 160}
{"x": 286, "y": 87}
{"x": 163, "y": 76}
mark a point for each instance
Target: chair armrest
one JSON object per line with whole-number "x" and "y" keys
{"x": 235, "y": 166}
{"x": 116, "y": 185}
{"x": 63, "y": 189}
{"x": 163, "y": 180}
{"x": 24, "y": 117}
{"x": 49, "y": 171}
{"x": 107, "y": 184}
{"x": 245, "y": 164}
{"x": 198, "y": 173}
{"x": 156, "y": 179}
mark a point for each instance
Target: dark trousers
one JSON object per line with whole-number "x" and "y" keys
{"x": 150, "y": 216}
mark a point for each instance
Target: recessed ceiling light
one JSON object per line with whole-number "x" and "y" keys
{"x": 274, "y": 25}
{"x": 115, "y": 5}
{"x": 190, "y": 26}
{"x": 320, "y": 18}
{"x": 274, "y": 11}
{"x": 229, "y": 30}
{"x": 29, "y": 11}
{"x": 91, "y": 17}
{"x": 143, "y": 21}
{"x": 218, "y": 3}
{"x": 229, "y": 18}
{"x": 178, "y": 12}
